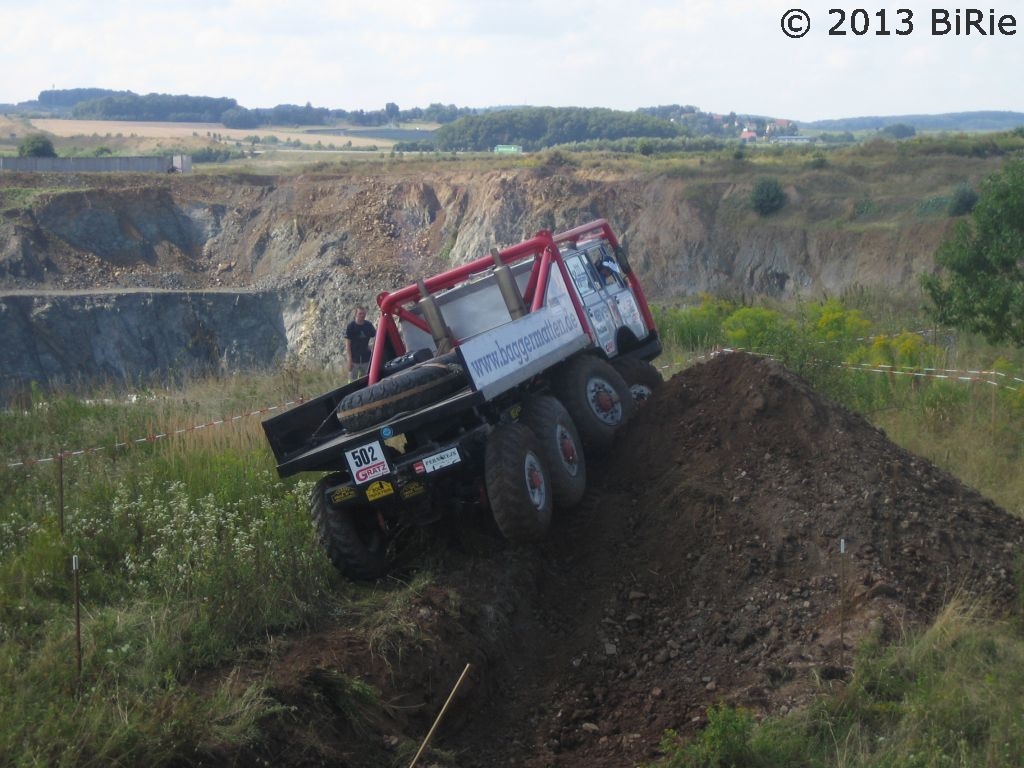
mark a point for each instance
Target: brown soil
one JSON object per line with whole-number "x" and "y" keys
{"x": 704, "y": 566}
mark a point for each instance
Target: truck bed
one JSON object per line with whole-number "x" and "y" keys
{"x": 309, "y": 438}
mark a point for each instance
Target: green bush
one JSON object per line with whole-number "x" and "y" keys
{"x": 767, "y": 196}
{"x": 36, "y": 145}
{"x": 963, "y": 200}
{"x": 818, "y": 162}
{"x": 724, "y": 741}
{"x": 758, "y": 329}
{"x": 695, "y": 328}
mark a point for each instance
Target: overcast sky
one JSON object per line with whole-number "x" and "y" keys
{"x": 718, "y": 55}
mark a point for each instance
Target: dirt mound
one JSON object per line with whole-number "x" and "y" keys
{"x": 746, "y": 532}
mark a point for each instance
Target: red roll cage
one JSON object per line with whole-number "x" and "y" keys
{"x": 543, "y": 244}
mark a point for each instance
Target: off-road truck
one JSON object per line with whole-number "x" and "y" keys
{"x": 488, "y": 385}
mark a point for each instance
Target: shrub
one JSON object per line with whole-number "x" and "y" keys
{"x": 726, "y": 740}
{"x": 829, "y": 321}
{"x": 963, "y": 200}
{"x": 695, "y": 328}
{"x": 767, "y": 196}
{"x": 36, "y": 145}
{"x": 759, "y": 329}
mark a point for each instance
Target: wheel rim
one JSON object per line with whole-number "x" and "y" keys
{"x": 641, "y": 392}
{"x": 604, "y": 401}
{"x": 534, "y": 476}
{"x": 567, "y": 450}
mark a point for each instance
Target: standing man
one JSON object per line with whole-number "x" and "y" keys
{"x": 359, "y": 335}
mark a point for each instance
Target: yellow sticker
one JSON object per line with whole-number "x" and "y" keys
{"x": 379, "y": 489}
{"x": 342, "y": 494}
{"x": 413, "y": 489}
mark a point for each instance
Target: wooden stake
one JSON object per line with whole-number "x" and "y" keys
{"x": 842, "y": 603}
{"x": 437, "y": 721}
{"x": 78, "y": 617}
{"x": 60, "y": 488}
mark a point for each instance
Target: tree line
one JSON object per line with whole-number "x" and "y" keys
{"x": 105, "y": 104}
{"x": 535, "y": 128}
{"x": 462, "y": 128}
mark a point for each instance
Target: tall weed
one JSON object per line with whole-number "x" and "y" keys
{"x": 189, "y": 548}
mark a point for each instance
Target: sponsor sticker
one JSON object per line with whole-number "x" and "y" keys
{"x": 437, "y": 461}
{"x": 379, "y": 489}
{"x": 343, "y": 494}
{"x": 412, "y": 489}
{"x": 367, "y": 462}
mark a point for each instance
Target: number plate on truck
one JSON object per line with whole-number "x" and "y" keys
{"x": 367, "y": 462}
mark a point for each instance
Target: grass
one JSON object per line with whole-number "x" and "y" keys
{"x": 19, "y": 198}
{"x": 190, "y": 553}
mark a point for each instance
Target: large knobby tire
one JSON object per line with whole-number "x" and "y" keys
{"x": 597, "y": 398}
{"x": 560, "y": 447}
{"x": 406, "y": 390}
{"x": 642, "y": 378}
{"x": 518, "y": 484}
{"x": 351, "y": 536}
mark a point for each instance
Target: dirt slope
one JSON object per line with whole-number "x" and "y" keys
{"x": 703, "y": 566}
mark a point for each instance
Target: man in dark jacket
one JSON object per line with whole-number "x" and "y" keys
{"x": 359, "y": 335}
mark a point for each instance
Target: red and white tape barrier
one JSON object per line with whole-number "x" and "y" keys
{"x": 152, "y": 438}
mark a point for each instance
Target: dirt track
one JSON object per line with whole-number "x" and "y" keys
{"x": 703, "y": 566}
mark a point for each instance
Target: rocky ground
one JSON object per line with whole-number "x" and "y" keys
{"x": 743, "y": 538}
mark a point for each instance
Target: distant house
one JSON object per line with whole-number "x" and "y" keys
{"x": 748, "y": 136}
{"x": 507, "y": 149}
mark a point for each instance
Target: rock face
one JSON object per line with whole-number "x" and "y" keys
{"x": 299, "y": 252}
{"x": 139, "y": 336}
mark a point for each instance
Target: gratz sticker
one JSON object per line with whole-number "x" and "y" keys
{"x": 367, "y": 462}
{"x": 437, "y": 461}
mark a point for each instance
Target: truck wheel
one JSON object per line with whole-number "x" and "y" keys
{"x": 414, "y": 387}
{"x": 597, "y": 398}
{"x": 560, "y": 447}
{"x": 518, "y": 484}
{"x": 642, "y": 377}
{"x": 351, "y": 536}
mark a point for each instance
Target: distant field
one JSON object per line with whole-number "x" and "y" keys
{"x": 317, "y": 144}
{"x": 187, "y": 131}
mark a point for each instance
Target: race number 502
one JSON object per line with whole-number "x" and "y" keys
{"x": 367, "y": 462}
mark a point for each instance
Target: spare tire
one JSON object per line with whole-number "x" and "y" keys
{"x": 414, "y": 387}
